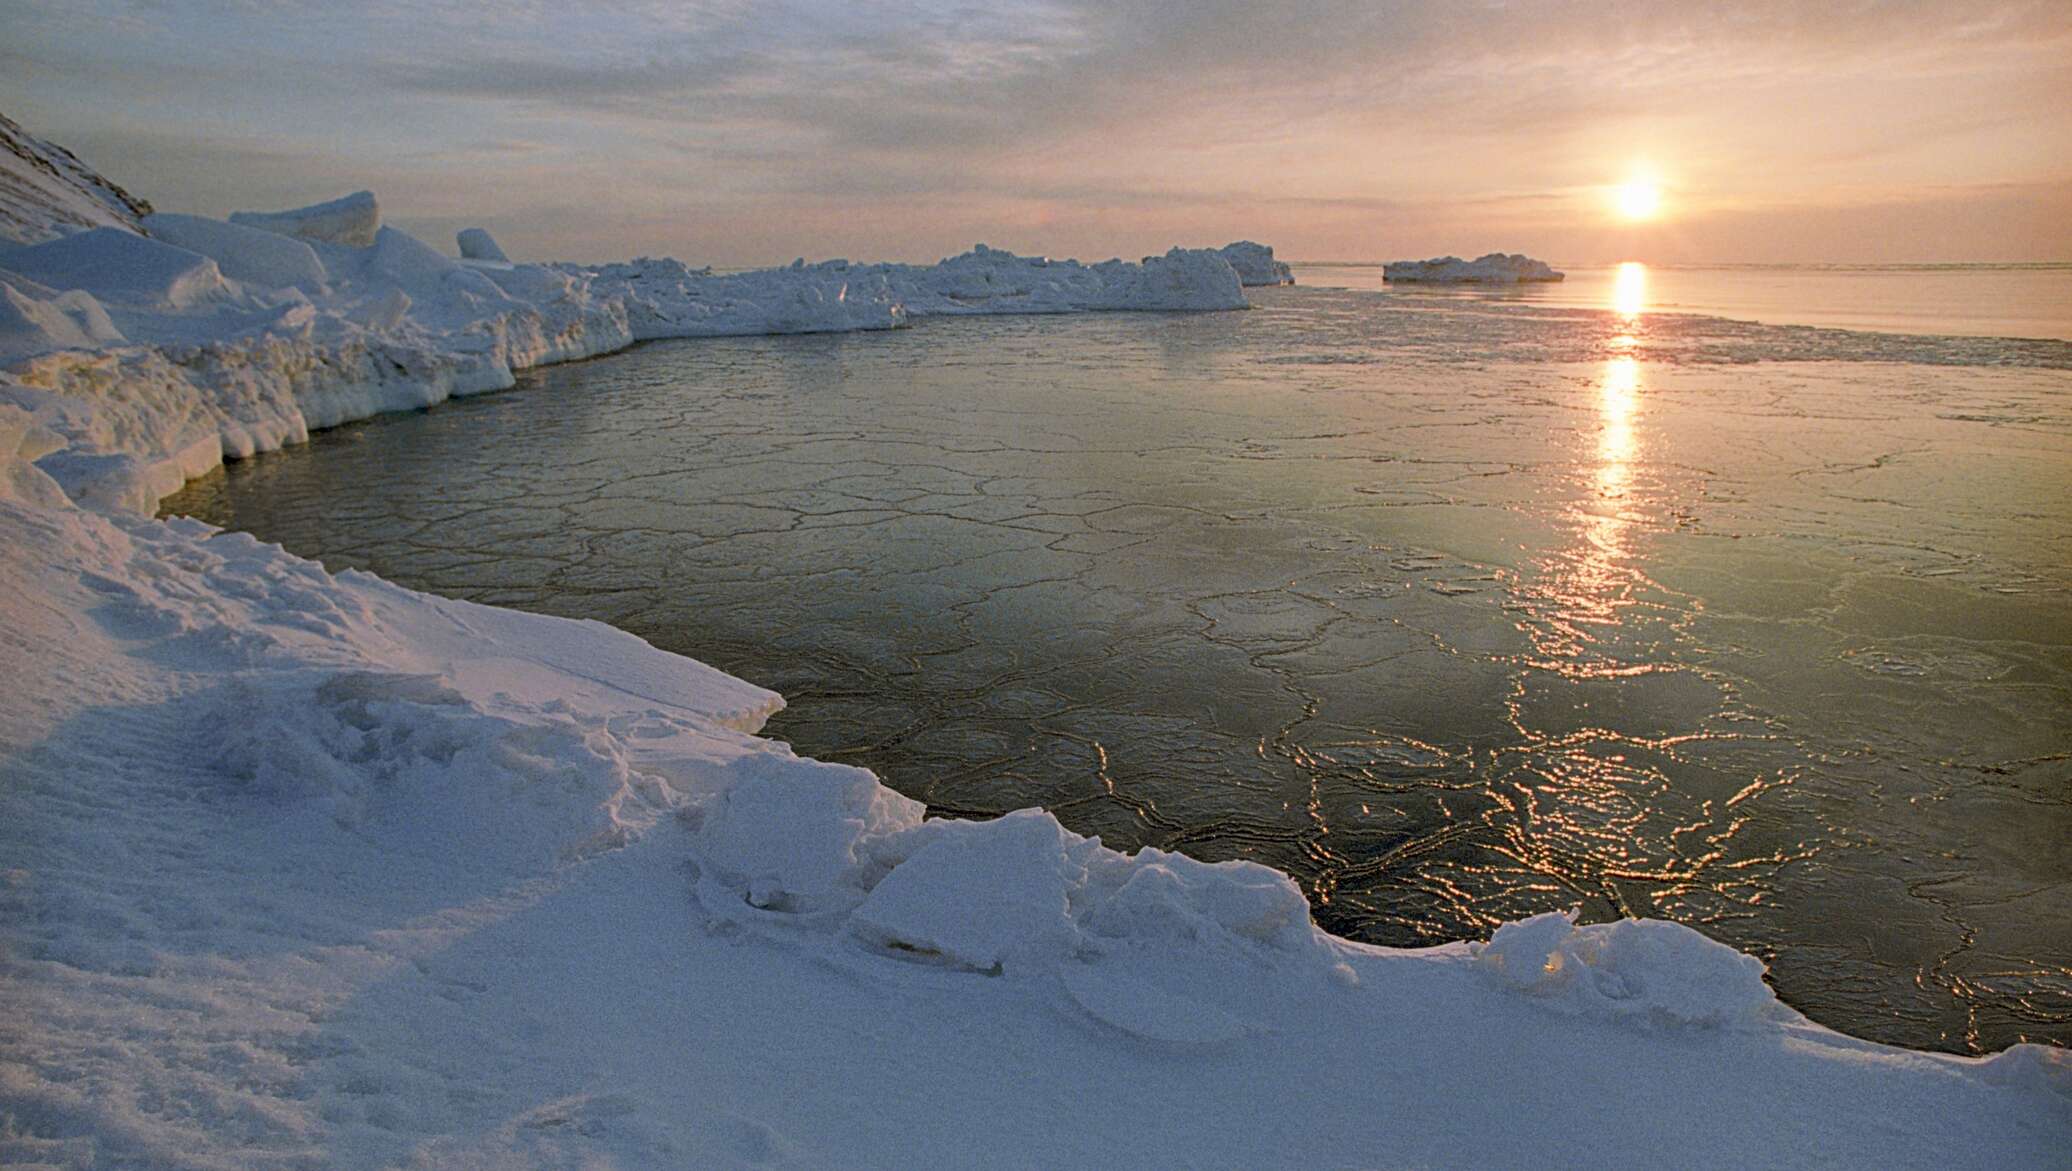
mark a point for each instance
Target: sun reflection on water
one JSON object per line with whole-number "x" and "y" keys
{"x": 1616, "y": 400}
{"x": 1593, "y": 581}
{"x": 1603, "y": 583}
{"x": 1630, "y": 290}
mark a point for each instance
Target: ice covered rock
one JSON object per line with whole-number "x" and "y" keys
{"x": 120, "y": 267}
{"x": 350, "y": 220}
{"x": 265, "y": 259}
{"x": 478, "y": 244}
{"x": 1493, "y": 268}
{"x": 47, "y": 192}
{"x": 1255, "y": 264}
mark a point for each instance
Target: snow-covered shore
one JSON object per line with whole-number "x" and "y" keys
{"x": 303, "y": 869}
{"x": 158, "y": 355}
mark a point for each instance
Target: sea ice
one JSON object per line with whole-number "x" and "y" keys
{"x": 478, "y": 244}
{"x": 350, "y": 220}
{"x": 263, "y": 258}
{"x": 119, "y": 266}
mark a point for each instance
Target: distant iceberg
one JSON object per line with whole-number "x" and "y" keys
{"x": 1255, "y": 264}
{"x": 1496, "y": 268}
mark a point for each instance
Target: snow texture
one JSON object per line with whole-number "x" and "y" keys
{"x": 301, "y": 869}
{"x": 251, "y": 255}
{"x": 1494, "y": 268}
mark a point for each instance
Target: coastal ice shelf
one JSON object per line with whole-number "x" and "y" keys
{"x": 159, "y": 344}
{"x": 301, "y": 869}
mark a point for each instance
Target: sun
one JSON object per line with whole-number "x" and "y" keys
{"x": 1637, "y": 199}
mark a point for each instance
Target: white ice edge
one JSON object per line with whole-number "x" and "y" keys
{"x": 359, "y": 799}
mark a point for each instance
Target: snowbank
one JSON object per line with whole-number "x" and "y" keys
{"x": 263, "y": 258}
{"x": 116, "y": 265}
{"x": 1255, "y": 264}
{"x": 1494, "y": 268}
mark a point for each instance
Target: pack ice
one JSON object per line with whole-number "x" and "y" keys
{"x": 303, "y": 869}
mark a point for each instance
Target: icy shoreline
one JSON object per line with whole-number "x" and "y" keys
{"x": 308, "y": 869}
{"x": 144, "y": 351}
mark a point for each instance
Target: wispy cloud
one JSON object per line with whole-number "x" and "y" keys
{"x": 1347, "y": 127}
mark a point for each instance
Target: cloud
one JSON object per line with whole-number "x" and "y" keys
{"x": 919, "y": 116}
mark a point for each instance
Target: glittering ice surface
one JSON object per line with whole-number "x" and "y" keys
{"x": 1457, "y": 611}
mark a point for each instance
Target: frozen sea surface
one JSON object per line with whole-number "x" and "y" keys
{"x": 1455, "y": 608}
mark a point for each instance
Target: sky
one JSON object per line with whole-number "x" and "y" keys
{"x": 736, "y": 132}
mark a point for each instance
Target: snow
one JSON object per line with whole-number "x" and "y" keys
{"x": 1494, "y": 268}
{"x": 306, "y": 869}
{"x": 350, "y": 220}
{"x": 34, "y": 319}
{"x": 251, "y": 255}
{"x": 1255, "y": 264}
{"x": 116, "y": 265}
{"x": 478, "y": 244}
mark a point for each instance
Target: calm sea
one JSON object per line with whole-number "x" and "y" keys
{"x": 1993, "y": 300}
{"x": 1456, "y": 606}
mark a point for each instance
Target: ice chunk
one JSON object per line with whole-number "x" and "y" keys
{"x": 351, "y": 220}
{"x": 981, "y": 893}
{"x": 265, "y": 259}
{"x": 1255, "y": 264}
{"x": 478, "y": 244}
{"x": 1647, "y": 969}
{"x": 1493, "y": 268}
{"x": 793, "y": 834}
{"x": 120, "y": 267}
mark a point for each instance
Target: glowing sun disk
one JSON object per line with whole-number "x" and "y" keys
{"x": 1638, "y": 199}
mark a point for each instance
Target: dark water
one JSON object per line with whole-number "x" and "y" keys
{"x": 1455, "y": 611}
